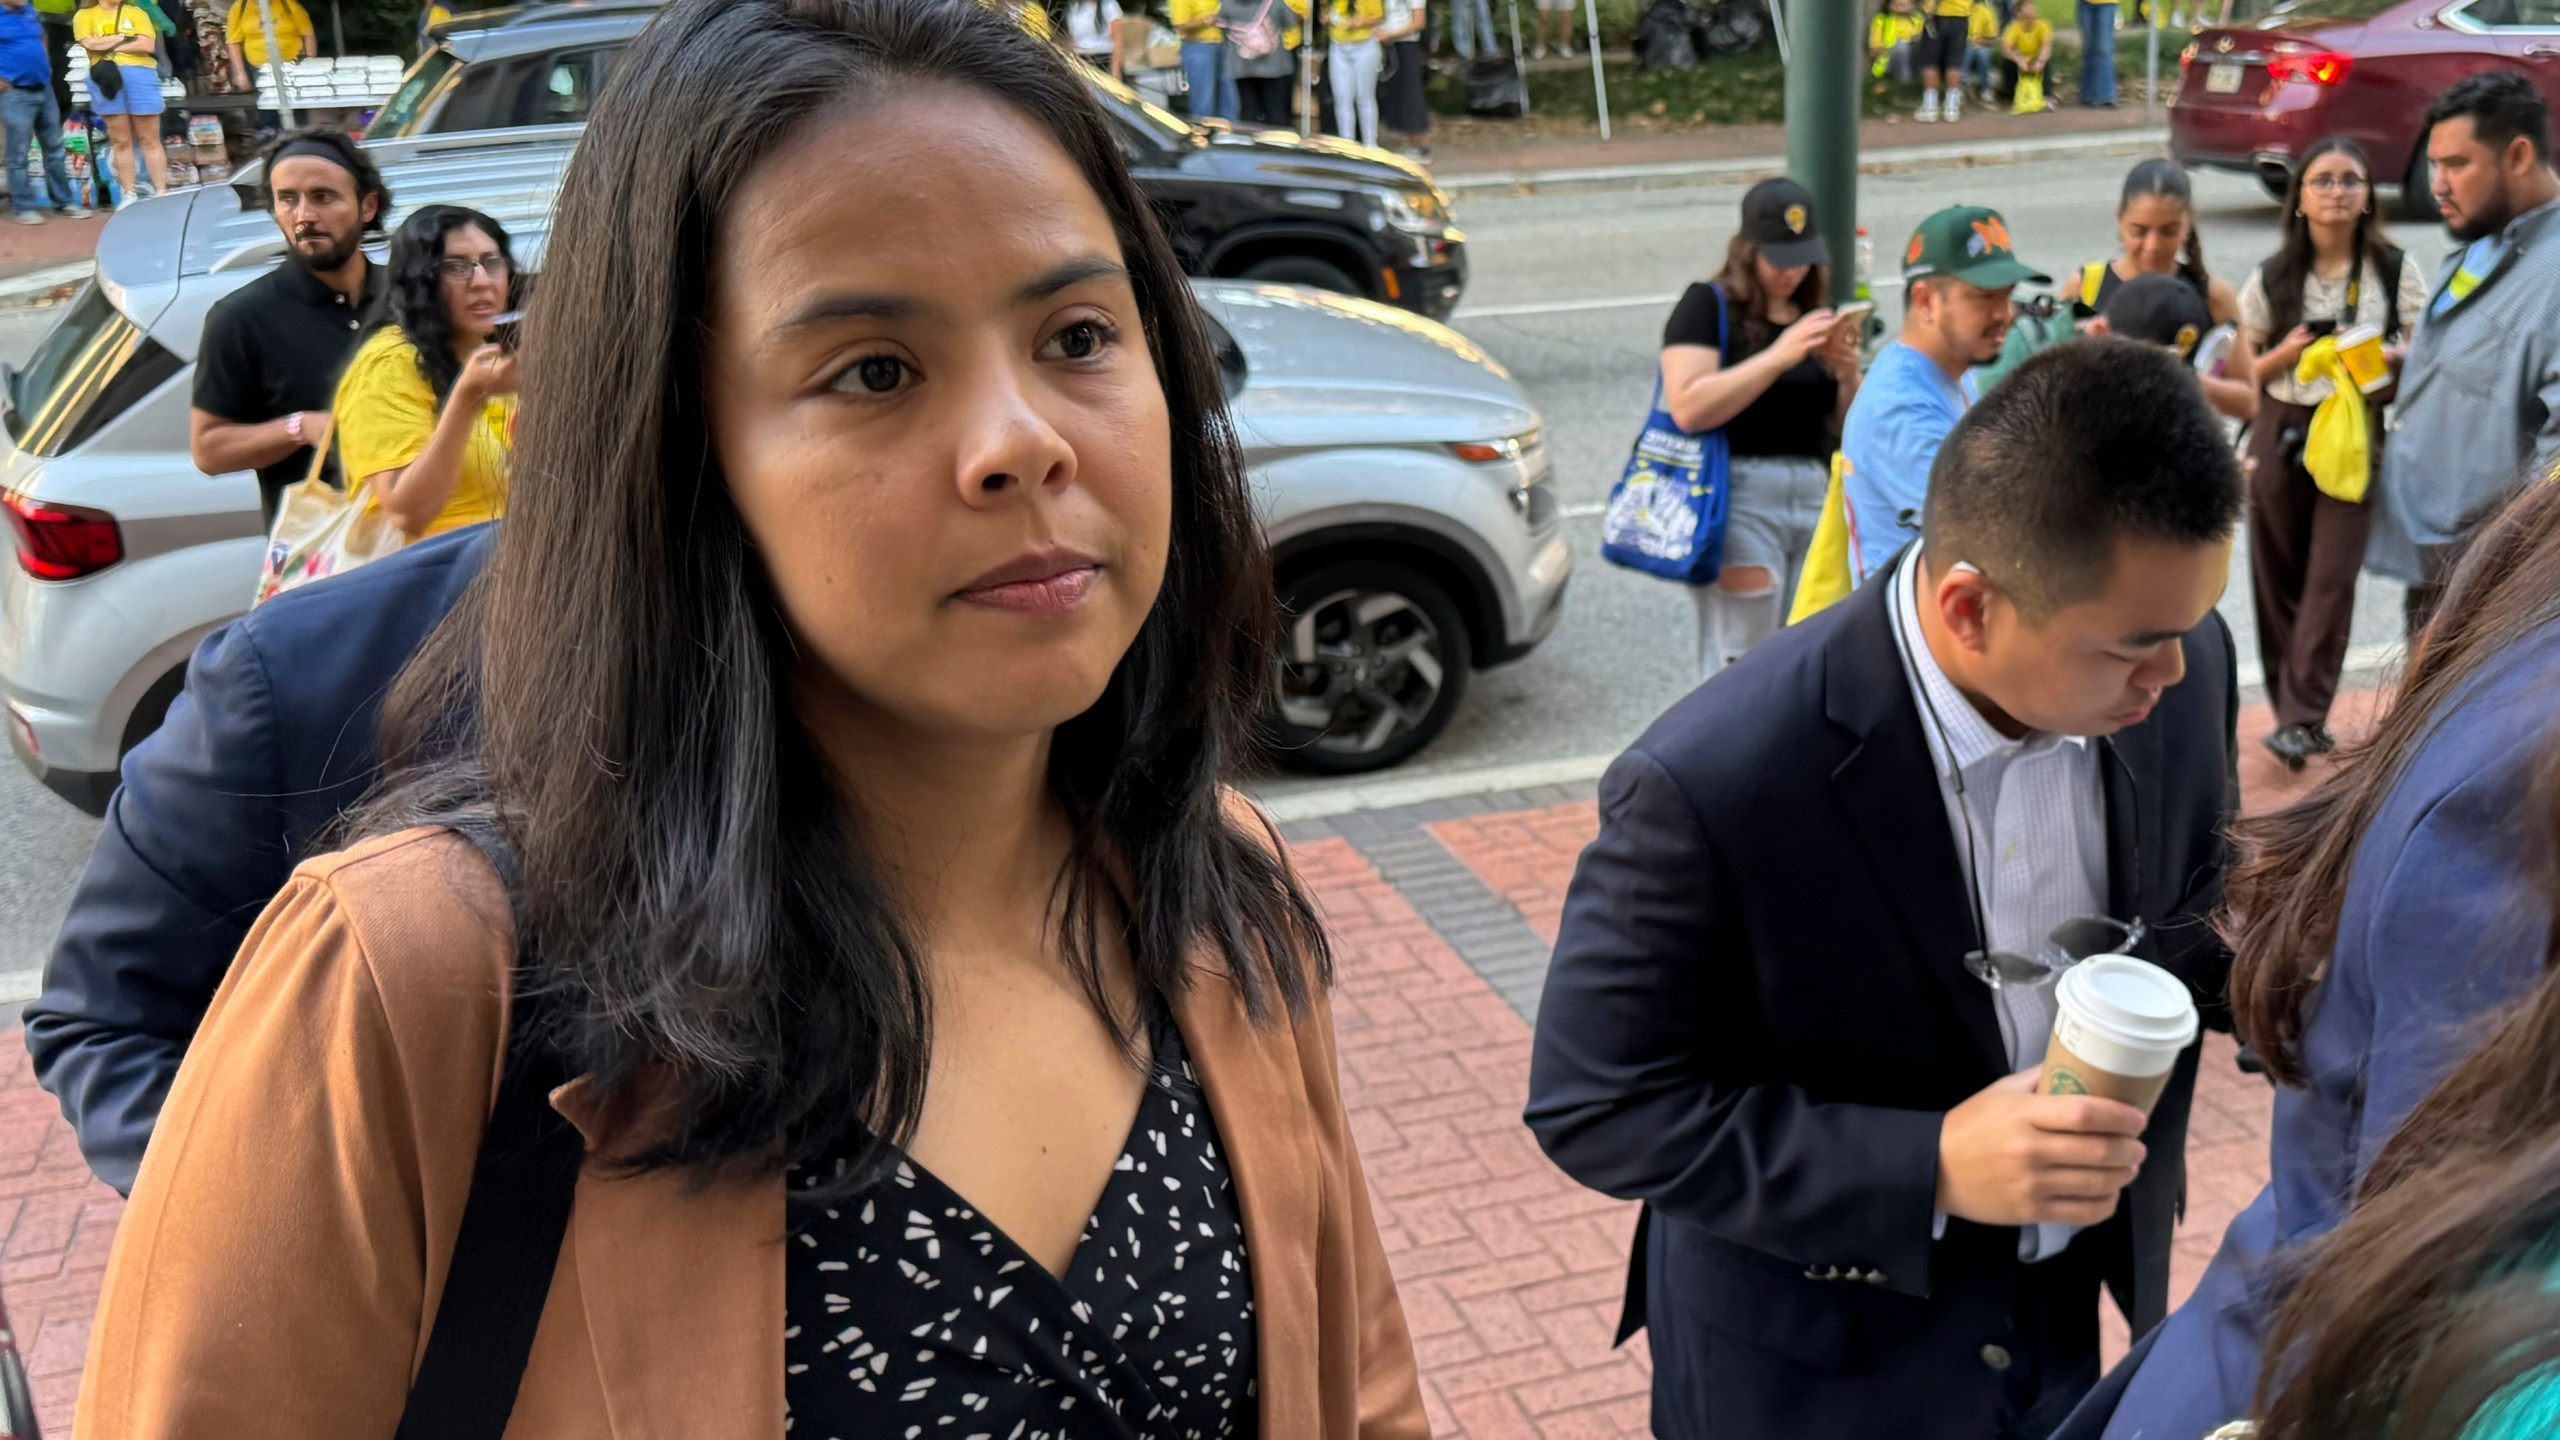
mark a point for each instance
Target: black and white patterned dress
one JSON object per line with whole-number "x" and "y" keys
{"x": 908, "y": 1314}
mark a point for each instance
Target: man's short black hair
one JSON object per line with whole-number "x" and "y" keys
{"x": 2081, "y": 446}
{"x": 2502, "y": 105}
{"x": 341, "y": 148}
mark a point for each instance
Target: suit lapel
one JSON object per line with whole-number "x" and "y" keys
{"x": 1258, "y": 1099}
{"x": 1888, "y": 788}
{"x": 670, "y": 1277}
{"x": 2129, "y": 772}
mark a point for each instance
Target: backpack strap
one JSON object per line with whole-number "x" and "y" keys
{"x": 508, "y": 1247}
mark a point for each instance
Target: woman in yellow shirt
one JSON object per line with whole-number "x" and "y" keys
{"x": 1356, "y": 58}
{"x": 425, "y": 416}
{"x": 1892, "y": 42}
{"x": 122, "y": 35}
{"x": 1204, "y": 59}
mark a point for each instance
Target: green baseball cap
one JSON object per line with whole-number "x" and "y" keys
{"x": 1968, "y": 243}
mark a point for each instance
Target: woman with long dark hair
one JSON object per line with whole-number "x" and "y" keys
{"x": 2334, "y": 271}
{"x": 2376, "y": 924}
{"x": 1754, "y": 353}
{"x": 826, "y": 781}
{"x": 2157, "y": 233}
{"x": 425, "y": 412}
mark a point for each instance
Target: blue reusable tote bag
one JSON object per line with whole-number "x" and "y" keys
{"x": 1666, "y": 513}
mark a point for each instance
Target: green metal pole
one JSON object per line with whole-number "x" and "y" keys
{"x": 1823, "y": 72}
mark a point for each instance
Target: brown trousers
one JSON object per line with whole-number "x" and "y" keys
{"x": 2305, "y": 550}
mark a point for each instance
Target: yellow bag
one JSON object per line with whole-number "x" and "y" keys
{"x": 1825, "y": 578}
{"x": 2030, "y": 98}
{"x": 2338, "y": 450}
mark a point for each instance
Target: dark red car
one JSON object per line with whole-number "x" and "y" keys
{"x": 2253, "y": 96}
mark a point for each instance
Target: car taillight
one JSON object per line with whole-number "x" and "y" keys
{"x": 61, "y": 542}
{"x": 2186, "y": 57}
{"x": 2320, "y": 67}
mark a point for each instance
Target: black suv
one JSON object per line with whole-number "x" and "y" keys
{"x": 1239, "y": 202}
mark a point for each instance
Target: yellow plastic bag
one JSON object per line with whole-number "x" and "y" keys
{"x": 1825, "y": 578}
{"x": 2030, "y": 97}
{"x": 2338, "y": 449}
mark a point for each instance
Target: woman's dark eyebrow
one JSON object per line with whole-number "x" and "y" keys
{"x": 1073, "y": 273}
{"x": 852, "y": 305}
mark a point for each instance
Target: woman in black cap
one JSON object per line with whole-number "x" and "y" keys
{"x": 1752, "y": 353}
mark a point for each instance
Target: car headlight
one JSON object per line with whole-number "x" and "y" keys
{"x": 1415, "y": 212}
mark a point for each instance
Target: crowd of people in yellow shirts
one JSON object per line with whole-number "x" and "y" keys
{"x": 1998, "y": 51}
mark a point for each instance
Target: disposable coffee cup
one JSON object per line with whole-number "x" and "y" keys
{"x": 2360, "y": 349}
{"x": 2118, "y": 1027}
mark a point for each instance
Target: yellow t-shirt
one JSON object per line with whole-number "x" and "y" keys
{"x": 1890, "y": 30}
{"x": 1985, "y": 26}
{"x": 1187, "y": 13}
{"x": 2032, "y": 41}
{"x": 385, "y": 413}
{"x": 93, "y": 21}
{"x": 241, "y": 29}
{"x": 1951, "y": 9}
{"x": 1352, "y": 21}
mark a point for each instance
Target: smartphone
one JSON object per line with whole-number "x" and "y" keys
{"x": 2318, "y": 328}
{"x": 507, "y": 330}
{"x": 1855, "y": 310}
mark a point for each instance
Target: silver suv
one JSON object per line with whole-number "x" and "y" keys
{"x": 1403, "y": 481}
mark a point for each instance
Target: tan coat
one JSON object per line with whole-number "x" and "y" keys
{"x": 277, "y": 1272}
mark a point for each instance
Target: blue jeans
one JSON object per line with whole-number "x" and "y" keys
{"x": 31, "y": 114}
{"x": 1204, "y": 70}
{"x": 1977, "y": 66}
{"x": 2097, "y": 53}
{"x": 1468, "y": 20}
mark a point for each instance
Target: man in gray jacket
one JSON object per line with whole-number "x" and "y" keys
{"x": 2478, "y": 415}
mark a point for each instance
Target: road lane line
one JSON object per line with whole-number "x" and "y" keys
{"x": 1613, "y": 302}
{"x": 1346, "y": 797}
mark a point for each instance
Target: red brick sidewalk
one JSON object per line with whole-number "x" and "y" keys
{"x": 1510, "y": 1272}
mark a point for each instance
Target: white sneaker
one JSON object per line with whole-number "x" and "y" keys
{"x": 1567, "y": 51}
{"x": 1927, "y": 114}
{"x": 1539, "y": 52}
{"x": 1954, "y": 106}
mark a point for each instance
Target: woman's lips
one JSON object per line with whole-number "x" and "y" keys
{"x": 1042, "y": 595}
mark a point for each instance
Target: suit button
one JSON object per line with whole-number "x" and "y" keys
{"x": 1812, "y": 1274}
{"x": 1831, "y": 1273}
{"x": 1995, "y": 1357}
{"x": 1875, "y": 1277}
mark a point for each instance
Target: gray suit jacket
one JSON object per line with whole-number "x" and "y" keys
{"x": 2479, "y": 408}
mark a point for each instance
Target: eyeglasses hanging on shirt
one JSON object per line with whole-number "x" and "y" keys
{"x": 2080, "y": 938}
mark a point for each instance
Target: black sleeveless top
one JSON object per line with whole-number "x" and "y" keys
{"x": 908, "y": 1314}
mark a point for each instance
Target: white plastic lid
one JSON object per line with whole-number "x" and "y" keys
{"x": 2131, "y": 1001}
{"x": 2358, "y": 335}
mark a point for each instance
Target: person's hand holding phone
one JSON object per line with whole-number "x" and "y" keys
{"x": 490, "y": 372}
{"x": 1799, "y": 341}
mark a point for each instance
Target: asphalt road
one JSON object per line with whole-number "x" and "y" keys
{"x": 1570, "y": 291}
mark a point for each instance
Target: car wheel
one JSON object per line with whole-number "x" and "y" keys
{"x": 1304, "y": 270}
{"x": 2417, "y": 188}
{"x": 1374, "y": 658}
{"x": 2277, "y": 184}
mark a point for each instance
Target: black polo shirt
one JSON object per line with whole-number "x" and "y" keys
{"x": 276, "y": 345}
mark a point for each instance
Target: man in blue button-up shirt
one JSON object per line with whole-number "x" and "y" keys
{"x": 28, "y": 111}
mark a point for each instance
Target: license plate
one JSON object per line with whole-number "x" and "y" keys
{"x": 2223, "y": 79}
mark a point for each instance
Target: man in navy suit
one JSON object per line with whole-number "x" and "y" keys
{"x": 271, "y": 741}
{"x": 1764, "y": 1018}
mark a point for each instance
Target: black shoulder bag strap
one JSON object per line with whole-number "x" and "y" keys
{"x": 509, "y": 1245}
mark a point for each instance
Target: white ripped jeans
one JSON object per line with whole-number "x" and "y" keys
{"x": 1355, "y": 89}
{"x": 1777, "y": 500}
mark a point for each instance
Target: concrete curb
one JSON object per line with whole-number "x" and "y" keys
{"x": 1724, "y": 172}
{"x": 36, "y": 285}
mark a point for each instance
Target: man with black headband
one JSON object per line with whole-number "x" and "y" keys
{"x": 273, "y": 349}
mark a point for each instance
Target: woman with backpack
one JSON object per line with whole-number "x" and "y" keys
{"x": 2156, "y": 228}
{"x": 2335, "y": 270}
{"x": 1754, "y": 353}
{"x": 1262, "y": 56}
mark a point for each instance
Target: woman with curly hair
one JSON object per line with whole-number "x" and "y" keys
{"x": 426, "y": 412}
